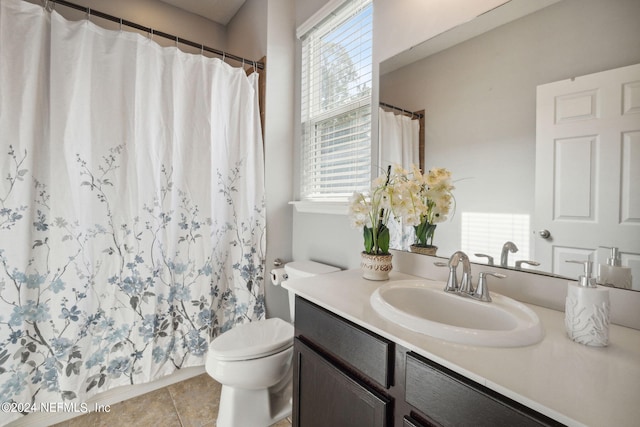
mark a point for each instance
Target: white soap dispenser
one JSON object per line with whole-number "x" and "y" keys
{"x": 613, "y": 274}
{"x": 586, "y": 314}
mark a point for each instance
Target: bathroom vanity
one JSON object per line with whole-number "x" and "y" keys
{"x": 353, "y": 367}
{"x": 347, "y": 375}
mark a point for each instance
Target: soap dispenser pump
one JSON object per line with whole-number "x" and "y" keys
{"x": 587, "y": 310}
{"x": 613, "y": 273}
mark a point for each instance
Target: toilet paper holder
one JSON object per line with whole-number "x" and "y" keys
{"x": 278, "y": 275}
{"x": 277, "y": 262}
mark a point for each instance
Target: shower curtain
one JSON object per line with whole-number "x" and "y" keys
{"x": 398, "y": 139}
{"x": 399, "y": 144}
{"x": 132, "y": 218}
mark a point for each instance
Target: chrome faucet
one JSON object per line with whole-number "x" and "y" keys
{"x": 465, "y": 286}
{"x": 504, "y": 256}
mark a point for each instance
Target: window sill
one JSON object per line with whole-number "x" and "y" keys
{"x": 329, "y": 208}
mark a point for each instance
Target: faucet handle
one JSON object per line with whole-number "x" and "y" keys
{"x": 452, "y": 280}
{"x": 522, "y": 261}
{"x": 489, "y": 258}
{"x": 482, "y": 292}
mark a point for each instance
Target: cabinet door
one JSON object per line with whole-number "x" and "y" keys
{"x": 325, "y": 395}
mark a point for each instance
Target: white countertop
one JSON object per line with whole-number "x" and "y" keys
{"x": 572, "y": 383}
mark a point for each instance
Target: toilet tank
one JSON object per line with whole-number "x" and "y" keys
{"x": 301, "y": 269}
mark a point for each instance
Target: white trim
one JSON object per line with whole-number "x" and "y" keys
{"x": 317, "y": 17}
{"x": 329, "y": 208}
{"x": 106, "y": 399}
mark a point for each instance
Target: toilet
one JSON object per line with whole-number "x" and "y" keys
{"x": 254, "y": 363}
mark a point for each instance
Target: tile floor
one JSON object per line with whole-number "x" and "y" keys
{"x": 190, "y": 403}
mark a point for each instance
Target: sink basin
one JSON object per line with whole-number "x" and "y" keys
{"x": 423, "y": 306}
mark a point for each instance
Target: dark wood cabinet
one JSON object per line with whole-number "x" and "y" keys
{"x": 329, "y": 396}
{"x": 449, "y": 399}
{"x": 346, "y": 375}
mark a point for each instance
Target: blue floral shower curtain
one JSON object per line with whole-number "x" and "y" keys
{"x": 132, "y": 220}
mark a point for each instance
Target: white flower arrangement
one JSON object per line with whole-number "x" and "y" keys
{"x": 371, "y": 212}
{"x": 419, "y": 200}
{"x": 422, "y": 201}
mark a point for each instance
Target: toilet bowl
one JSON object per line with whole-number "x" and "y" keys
{"x": 254, "y": 364}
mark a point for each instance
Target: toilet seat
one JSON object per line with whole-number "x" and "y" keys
{"x": 253, "y": 340}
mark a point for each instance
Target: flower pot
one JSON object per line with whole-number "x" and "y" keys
{"x": 376, "y": 267}
{"x": 424, "y": 249}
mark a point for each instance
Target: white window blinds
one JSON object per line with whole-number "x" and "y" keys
{"x": 336, "y": 103}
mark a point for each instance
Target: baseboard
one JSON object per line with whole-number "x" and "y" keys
{"x": 106, "y": 399}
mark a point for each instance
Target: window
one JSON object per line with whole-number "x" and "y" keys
{"x": 336, "y": 103}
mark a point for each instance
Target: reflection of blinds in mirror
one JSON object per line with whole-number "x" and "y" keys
{"x": 336, "y": 103}
{"x": 486, "y": 233}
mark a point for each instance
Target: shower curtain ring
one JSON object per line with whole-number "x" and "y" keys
{"x": 120, "y": 24}
{"x": 89, "y": 14}
{"x": 224, "y": 55}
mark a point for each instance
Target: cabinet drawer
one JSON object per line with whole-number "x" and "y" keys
{"x": 450, "y": 399}
{"x": 410, "y": 422}
{"x": 364, "y": 351}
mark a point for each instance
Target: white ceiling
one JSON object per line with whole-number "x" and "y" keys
{"x": 220, "y": 11}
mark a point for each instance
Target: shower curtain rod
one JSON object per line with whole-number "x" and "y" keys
{"x": 178, "y": 40}
{"x": 393, "y": 107}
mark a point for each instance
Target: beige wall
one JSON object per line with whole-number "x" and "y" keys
{"x": 247, "y": 31}
{"x": 154, "y": 14}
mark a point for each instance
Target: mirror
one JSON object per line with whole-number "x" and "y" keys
{"x": 477, "y": 86}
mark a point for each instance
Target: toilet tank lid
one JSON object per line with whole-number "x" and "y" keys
{"x": 253, "y": 340}
{"x": 308, "y": 268}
